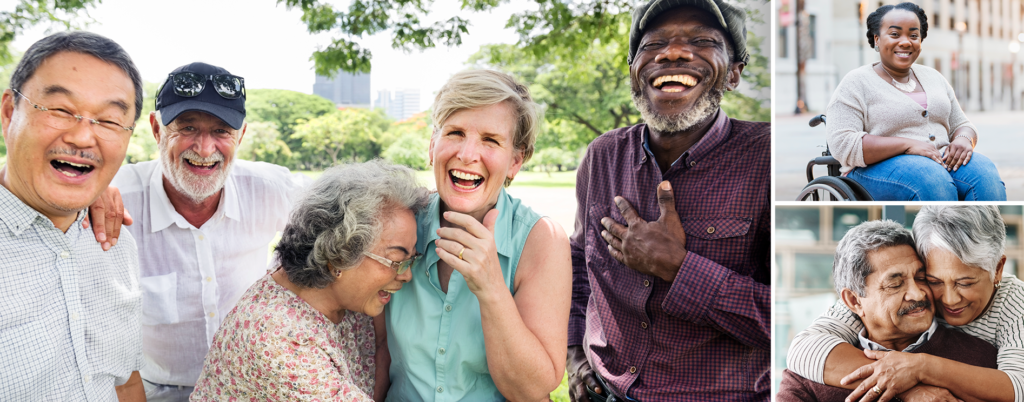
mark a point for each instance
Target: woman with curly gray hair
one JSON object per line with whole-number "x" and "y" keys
{"x": 306, "y": 330}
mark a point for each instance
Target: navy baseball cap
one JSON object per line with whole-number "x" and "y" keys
{"x": 171, "y": 105}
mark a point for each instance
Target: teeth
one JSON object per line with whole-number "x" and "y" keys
{"x": 680, "y": 78}
{"x": 68, "y": 174}
{"x": 465, "y": 176}
{"x": 76, "y": 165}
{"x": 390, "y": 291}
{"x": 201, "y": 164}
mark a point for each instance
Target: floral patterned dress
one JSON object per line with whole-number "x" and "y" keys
{"x": 275, "y": 346}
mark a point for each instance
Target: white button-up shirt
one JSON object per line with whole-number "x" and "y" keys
{"x": 192, "y": 277}
{"x": 69, "y": 312}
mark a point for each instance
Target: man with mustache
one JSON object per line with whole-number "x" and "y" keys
{"x": 879, "y": 276}
{"x": 671, "y": 249}
{"x": 203, "y": 221}
{"x": 69, "y": 312}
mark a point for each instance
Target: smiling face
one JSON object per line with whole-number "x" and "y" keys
{"x": 899, "y": 39}
{"x": 682, "y": 68}
{"x": 196, "y": 152}
{"x": 369, "y": 286}
{"x": 472, "y": 156}
{"x": 60, "y": 172}
{"x": 962, "y": 292}
{"x": 896, "y": 307}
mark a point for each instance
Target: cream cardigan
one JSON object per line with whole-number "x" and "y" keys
{"x": 864, "y": 103}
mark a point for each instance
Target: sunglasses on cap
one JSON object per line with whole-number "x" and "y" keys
{"x": 188, "y": 85}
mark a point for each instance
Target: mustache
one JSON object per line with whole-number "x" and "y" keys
{"x": 914, "y": 306}
{"x": 75, "y": 152}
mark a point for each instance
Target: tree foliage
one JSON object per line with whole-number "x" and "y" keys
{"x": 351, "y": 134}
{"x": 28, "y": 13}
{"x": 262, "y": 142}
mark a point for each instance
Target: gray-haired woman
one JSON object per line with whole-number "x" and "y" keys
{"x": 305, "y": 331}
{"x": 963, "y": 250}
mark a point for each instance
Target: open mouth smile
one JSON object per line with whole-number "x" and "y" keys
{"x": 385, "y": 295}
{"x": 674, "y": 83}
{"x": 71, "y": 169}
{"x": 464, "y": 180}
{"x": 201, "y": 166}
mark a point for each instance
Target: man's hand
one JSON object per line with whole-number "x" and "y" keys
{"x": 892, "y": 373}
{"x": 107, "y": 214}
{"x": 653, "y": 248}
{"x": 928, "y": 393}
{"x": 581, "y": 375}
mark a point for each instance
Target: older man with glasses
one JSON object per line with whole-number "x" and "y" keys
{"x": 202, "y": 219}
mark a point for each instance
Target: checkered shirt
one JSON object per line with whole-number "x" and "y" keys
{"x": 704, "y": 336}
{"x": 69, "y": 312}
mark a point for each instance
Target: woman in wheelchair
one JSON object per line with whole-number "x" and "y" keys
{"x": 897, "y": 128}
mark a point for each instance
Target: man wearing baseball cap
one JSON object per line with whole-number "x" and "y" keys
{"x": 203, "y": 221}
{"x": 671, "y": 248}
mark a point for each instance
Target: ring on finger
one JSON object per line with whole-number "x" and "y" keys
{"x": 876, "y": 390}
{"x": 460, "y": 253}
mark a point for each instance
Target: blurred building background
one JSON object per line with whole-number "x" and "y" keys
{"x": 973, "y": 43}
{"x": 805, "y": 241}
{"x": 345, "y": 89}
{"x": 400, "y": 104}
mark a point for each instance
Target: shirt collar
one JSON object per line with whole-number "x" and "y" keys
{"x": 162, "y": 213}
{"x": 868, "y": 344}
{"x": 718, "y": 133}
{"x": 429, "y": 220}
{"x": 19, "y": 216}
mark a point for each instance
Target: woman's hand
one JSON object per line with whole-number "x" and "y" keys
{"x": 892, "y": 374}
{"x": 925, "y": 149}
{"x": 958, "y": 153}
{"x": 470, "y": 249}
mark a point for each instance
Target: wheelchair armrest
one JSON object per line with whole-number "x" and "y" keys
{"x": 822, "y": 160}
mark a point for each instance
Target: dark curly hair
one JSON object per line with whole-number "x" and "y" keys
{"x": 875, "y": 20}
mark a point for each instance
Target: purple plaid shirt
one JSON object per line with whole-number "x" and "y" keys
{"x": 704, "y": 336}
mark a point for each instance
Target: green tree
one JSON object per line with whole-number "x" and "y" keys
{"x": 143, "y": 146}
{"x": 552, "y": 160}
{"x": 351, "y": 133}
{"x": 262, "y": 142}
{"x": 286, "y": 110}
{"x": 410, "y": 150}
{"x": 28, "y": 13}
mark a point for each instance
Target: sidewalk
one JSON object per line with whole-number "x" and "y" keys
{"x": 1001, "y": 138}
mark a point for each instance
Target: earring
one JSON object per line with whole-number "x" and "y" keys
{"x": 876, "y": 49}
{"x": 997, "y": 285}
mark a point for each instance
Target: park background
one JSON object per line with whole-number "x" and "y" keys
{"x": 973, "y": 43}
{"x": 805, "y": 243}
{"x": 571, "y": 53}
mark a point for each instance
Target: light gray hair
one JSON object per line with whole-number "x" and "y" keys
{"x": 975, "y": 234}
{"x": 851, "y": 268}
{"x": 83, "y": 42}
{"x": 341, "y": 215}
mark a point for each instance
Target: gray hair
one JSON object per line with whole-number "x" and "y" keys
{"x": 975, "y": 234}
{"x": 83, "y": 42}
{"x": 480, "y": 88}
{"x": 340, "y": 216}
{"x": 851, "y": 269}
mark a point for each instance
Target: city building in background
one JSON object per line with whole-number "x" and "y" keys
{"x": 973, "y": 43}
{"x": 400, "y": 104}
{"x": 345, "y": 89}
{"x": 805, "y": 241}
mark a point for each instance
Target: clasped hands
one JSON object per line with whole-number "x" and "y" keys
{"x": 958, "y": 152}
{"x": 897, "y": 376}
{"x": 655, "y": 248}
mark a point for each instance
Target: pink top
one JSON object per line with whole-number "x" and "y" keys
{"x": 920, "y": 97}
{"x": 274, "y": 346}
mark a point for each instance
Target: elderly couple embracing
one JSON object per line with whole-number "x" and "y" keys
{"x": 379, "y": 290}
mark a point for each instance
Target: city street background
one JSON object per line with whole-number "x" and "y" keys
{"x": 1001, "y": 138}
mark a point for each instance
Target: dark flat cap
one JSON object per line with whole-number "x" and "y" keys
{"x": 732, "y": 19}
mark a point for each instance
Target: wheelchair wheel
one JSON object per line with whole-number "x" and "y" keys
{"x": 834, "y": 187}
{"x": 859, "y": 192}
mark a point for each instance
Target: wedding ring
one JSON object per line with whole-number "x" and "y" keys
{"x": 460, "y": 253}
{"x": 876, "y": 390}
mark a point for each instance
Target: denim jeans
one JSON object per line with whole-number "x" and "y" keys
{"x": 917, "y": 178}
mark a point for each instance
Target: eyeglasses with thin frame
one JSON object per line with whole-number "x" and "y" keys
{"x": 399, "y": 266}
{"x": 62, "y": 120}
{"x": 188, "y": 85}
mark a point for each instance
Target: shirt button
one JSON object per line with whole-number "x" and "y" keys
{"x": 65, "y": 254}
{"x": 448, "y": 308}
{"x": 711, "y": 229}
{"x": 647, "y": 282}
{"x": 643, "y": 325}
{"x": 74, "y": 316}
{"x": 87, "y": 378}
{"x": 201, "y": 237}
{"x": 441, "y": 351}
{"x": 209, "y": 279}
{"x": 211, "y": 314}
{"x": 440, "y": 389}
{"x": 693, "y": 163}
{"x": 632, "y": 369}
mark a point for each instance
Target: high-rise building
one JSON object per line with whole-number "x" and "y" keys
{"x": 400, "y": 104}
{"x": 345, "y": 89}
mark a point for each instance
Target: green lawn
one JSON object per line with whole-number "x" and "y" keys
{"x": 523, "y": 179}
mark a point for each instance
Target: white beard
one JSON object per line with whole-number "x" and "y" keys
{"x": 705, "y": 107}
{"x": 196, "y": 188}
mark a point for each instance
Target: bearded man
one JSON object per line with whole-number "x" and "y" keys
{"x": 203, "y": 222}
{"x": 671, "y": 292}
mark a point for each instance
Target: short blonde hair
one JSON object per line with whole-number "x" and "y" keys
{"x": 480, "y": 88}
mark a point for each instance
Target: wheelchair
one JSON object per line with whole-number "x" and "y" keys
{"x": 834, "y": 186}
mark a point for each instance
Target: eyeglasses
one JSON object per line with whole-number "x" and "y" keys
{"x": 190, "y": 85}
{"x": 399, "y": 266}
{"x": 62, "y": 120}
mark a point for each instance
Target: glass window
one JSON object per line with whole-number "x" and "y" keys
{"x": 1010, "y": 268}
{"x": 797, "y": 223}
{"x": 1012, "y": 238}
{"x": 911, "y": 215}
{"x": 1010, "y": 209}
{"x": 783, "y": 42}
{"x": 843, "y": 219}
{"x": 782, "y": 339}
{"x": 813, "y": 271}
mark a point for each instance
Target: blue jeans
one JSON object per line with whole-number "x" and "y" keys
{"x": 917, "y": 178}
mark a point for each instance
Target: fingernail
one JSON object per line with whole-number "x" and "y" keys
{"x": 106, "y": 246}
{"x": 604, "y": 221}
{"x": 665, "y": 185}
{"x": 604, "y": 233}
{"x": 102, "y": 237}
{"x": 113, "y": 242}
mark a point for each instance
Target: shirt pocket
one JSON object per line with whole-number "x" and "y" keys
{"x": 715, "y": 228}
{"x": 160, "y": 299}
{"x": 724, "y": 240}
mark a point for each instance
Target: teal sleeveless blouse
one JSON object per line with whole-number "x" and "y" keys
{"x": 436, "y": 340}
